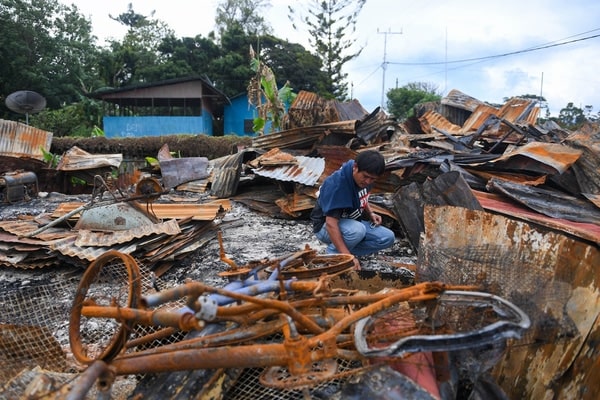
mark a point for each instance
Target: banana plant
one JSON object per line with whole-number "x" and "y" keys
{"x": 266, "y": 97}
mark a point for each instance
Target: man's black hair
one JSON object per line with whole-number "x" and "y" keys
{"x": 370, "y": 161}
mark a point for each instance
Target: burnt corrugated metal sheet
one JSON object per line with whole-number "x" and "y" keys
{"x": 76, "y": 159}
{"x": 335, "y": 156}
{"x": 432, "y": 119}
{"x": 458, "y": 99}
{"x": 350, "y": 110}
{"x": 306, "y": 137}
{"x": 225, "y": 175}
{"x": 519, "y": 110}
{"x": 551, "y": 276}
{"x": 105, "y": 239}
{"x": 499, "y": 204}
{"x": 587, "y": 167}
{"x": 557, "y": 156}
{"x": 20, "y": 140}
{"x": 176, "y": 171}
{"x": 479, "y": 116}
{"x": 21, "y": 228}
{"x": 376, "y": 127}
{"x": 307, "y": 171}
{"x": 197, "y": 212}
{"x": 85, "y": 255}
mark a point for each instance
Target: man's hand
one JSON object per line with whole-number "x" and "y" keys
{"x": 356, "y": 264}
{"x": 376, "y": 219}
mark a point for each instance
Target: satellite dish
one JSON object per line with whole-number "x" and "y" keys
{"x": 25, "y": 102}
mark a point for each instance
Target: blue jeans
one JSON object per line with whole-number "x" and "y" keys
{"x": 360, "y": 237}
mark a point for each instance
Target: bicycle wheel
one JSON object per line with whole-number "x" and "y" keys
{"x": 316, "y": 266}
{"x": 112, "y": 280}
{"x": 454, "y": 320}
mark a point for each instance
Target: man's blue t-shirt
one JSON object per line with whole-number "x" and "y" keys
{"x": 339, "y": 197}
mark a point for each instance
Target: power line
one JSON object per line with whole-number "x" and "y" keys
{"x": 497, "y": 55}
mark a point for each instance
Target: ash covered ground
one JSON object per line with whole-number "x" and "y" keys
{"x": 247, "y": 236}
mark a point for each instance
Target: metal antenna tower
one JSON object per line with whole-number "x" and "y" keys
{"x": 384, "y": 63}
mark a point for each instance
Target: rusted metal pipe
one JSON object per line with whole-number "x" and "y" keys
{"x": 86, "y": 380}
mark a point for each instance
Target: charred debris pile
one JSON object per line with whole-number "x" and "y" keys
{"x": 458, "y": 152}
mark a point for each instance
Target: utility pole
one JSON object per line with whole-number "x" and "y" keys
{"x": 384, "y": 63}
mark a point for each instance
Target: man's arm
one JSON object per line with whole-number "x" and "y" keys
{"x": 374, "y": 218}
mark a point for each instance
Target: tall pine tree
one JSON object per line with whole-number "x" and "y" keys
{"x": 331, "y": 25}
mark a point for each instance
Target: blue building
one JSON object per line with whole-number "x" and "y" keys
{"x": 238, "y": 116}
{"x": 178, "y": 106}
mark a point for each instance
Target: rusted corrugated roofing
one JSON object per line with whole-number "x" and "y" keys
{"x": 76, "y": 159}
{"x": 458, "y": 99}
{"x": 554, "y": 155}
{"x": 307, "y": 171}
{"x": 519, "y": 110}
{"x": 478, "y": 118}
{"x": 197, "y": 212}
{"x": 225, "y": 176}
{"x": 350, "y": 110}
{"x": 67, "y": 247}
{"x": 294, "y": 203}
{"x": 20, "y": 140}
{"x": 335, "y": 156}
{"x": 21, "y": 228}
{"x": 305, "y": 137}
{"x": 432, "y": 119}
{"x": 91, "y": 238}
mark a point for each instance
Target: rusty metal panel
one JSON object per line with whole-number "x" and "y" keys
{"x": 334, "y": 157}
{"x": 557, "y": 156}
{"x": 112, "y": 217}
{"x": 350, "y": 110}
{"x": 587, "y": 166}
{"x": 21, "y": 228}
{"x": 197, "y": 212}
{"x": 106, "y": 239}
{"x": 456, "y": 98}
{"x": 551, "y": 276}
{"x": 225, "y": 175}
{"x": 293, "y": 204}
{"x": 20, "y": 140}
{"x": 304, "y": 137}
{"x": 307, "y": 171}
{"x": 176, "y": 171}
{"x": 519, "y": 110}
{"x": 67, "y": 247}
{"x": 478, "y": 118}
{"x": 499, "y": 204}
{"x": 76, "y": 159}
{"x": 432, "y": 119}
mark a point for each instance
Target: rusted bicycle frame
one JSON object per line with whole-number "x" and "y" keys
{"x": 317, "y": 329}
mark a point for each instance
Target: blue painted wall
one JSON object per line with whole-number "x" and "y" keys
{"x": 156, "y": 126}
{"x": 238, "y": 116}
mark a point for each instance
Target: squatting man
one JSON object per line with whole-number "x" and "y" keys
{"x": 342, "y": 218}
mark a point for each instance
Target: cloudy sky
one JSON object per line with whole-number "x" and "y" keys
{"x": 488, "y": 50}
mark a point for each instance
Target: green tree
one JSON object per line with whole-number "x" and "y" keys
{"x": 246, "y": 14}
{"x": 401, "y": 101}
{"x": 231, "y": 72}
{"x": 331, "y": 25}
{"x": 137, "y": 58}
{"x": 46, "y": 47}
{"x": 291, "y": 62}
{"x": 76, "y": 119}
{"x": 571, "y": 117}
